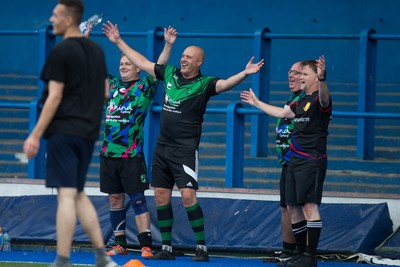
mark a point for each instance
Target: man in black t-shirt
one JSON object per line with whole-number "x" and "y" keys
{"x": 76, "y": 78}
{"x": 186, "y": 93}
{"x": 308, "y": 161}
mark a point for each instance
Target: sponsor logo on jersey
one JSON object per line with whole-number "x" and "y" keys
{"x": 169, "y": 86}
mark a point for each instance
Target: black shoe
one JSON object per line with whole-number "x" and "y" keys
{"x": 162, "y": 255}
{"x": 283, "y": 258}
{"x": 303, "y": 260}
{"x": 201, "y": 256}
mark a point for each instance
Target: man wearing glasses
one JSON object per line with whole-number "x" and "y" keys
{"x": 308, "y": 161}
{"x": 284, "y": 129}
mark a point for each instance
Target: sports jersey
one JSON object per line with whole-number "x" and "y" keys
{"x": 309, "y": 138}
{"x": 126, "y": 112}
{"x": 79, "y": 64}
{"x": 284, "y": 129}
{"x": 184, "y": 105}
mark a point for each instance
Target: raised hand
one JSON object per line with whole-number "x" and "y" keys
{"x": 252, "y": 68}
{"x": 321, "y": 68}
{"x": 111, "y": 31}
{"x": 249, "y": 97}
{"x": 170, "y": 35}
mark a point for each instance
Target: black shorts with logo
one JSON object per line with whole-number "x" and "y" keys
{"x": 123, "y": 175}
{"x": 175, "y": 165}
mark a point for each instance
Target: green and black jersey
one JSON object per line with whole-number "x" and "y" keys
{"x": 284, "y": 129}
{"x": 184, "y": 105}
{"x": 126, "y": 112}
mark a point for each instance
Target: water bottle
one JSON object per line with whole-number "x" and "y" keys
{"x": 93, "y": 21}
{"x": 1, "y": 239}
{"x": 6, "y": 242}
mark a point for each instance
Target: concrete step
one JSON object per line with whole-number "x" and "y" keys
{"x": 14, "y": 123}
{"x": 18, "y": 90}
{"x": 17, "y": 78}
{"x": 16, "y": 168}
{"x": 14, "y": 113}
{"x": 14, "y": 98}
{"x": 13, "y": 134}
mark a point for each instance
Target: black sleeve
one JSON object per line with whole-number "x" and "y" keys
{"x": 212, "y": 86}
{"x": 159, "y": 71}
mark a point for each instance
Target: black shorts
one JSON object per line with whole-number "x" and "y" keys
{"x": 304, "y": 185}
{"x": 282, "y": 186}
{"x": 175, "y": 165}
{"x": 68, "y": 159}
{"x": 123, "y": 175}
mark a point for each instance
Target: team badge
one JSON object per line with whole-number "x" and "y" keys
{"x": 143, "y": 178}
{"x": 307, "y": 106}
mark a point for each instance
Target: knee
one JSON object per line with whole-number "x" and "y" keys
{"x": 188, "y": 197}
{"x": 117, "y": 201}
{"x": 310, "y": 211}
{"x": 138, "y": 203}
{"x": 296, "y": 213}
{"x": 162, "y": 197}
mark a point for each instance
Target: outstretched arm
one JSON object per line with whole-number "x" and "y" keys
{"x": 251, "y": 68}
{"x": 250, "y": 98}
{"x": 170, "y": 35}
{"x": 324, "y": 94}
{"x": 112, "y": 33}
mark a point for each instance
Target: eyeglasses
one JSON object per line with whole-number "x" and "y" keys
{"x": 295, "y": 72}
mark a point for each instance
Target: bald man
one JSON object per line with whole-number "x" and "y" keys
{"x": 175, "y": 162}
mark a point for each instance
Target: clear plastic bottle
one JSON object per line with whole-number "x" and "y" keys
{"x": 93, "y": 21}
{"x": 6, "y": 242}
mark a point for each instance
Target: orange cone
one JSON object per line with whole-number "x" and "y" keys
{"x": 134, "y": 263}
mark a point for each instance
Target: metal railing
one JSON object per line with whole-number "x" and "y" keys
{"x": 235, "y": 112}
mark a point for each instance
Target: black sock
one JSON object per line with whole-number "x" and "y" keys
{"x": 288, "y": 247}
{"x": 120, "y": 240}
{"x": 300, "y": 234}
{"x": 314, "y": 232}
{"x": 145, "y": 239}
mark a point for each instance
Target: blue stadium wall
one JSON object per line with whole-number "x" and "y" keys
{"x": 223, "y": 57}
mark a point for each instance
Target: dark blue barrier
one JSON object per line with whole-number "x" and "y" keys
{"x": 260, "y": 84}
{"x": 240, "y": 225}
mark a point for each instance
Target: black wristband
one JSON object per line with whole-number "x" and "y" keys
{"x": 323, "y": 80}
